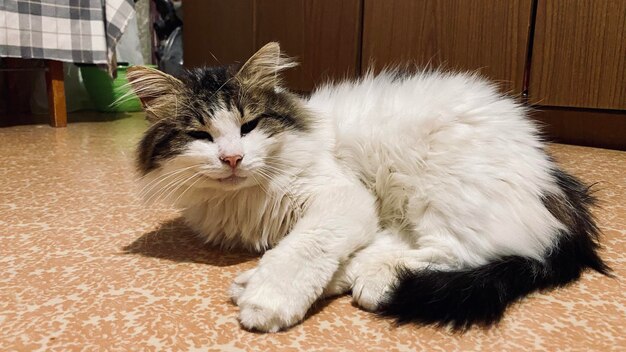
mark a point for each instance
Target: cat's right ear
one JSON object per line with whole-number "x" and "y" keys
{"x": 263, "y": 69}
{"x": 158, "y": 91}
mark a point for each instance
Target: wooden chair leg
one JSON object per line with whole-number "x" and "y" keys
{"x": 56, "y": 93}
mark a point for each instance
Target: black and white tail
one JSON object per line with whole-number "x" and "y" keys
{"x": 480, "y": 296}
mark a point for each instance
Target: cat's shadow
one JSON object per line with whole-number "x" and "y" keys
{"x": 174, "y": 241}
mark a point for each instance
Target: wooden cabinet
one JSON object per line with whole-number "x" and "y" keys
{"x": 477, "y": 35}
{"x": 567, "y": 56}
{"x": 333, "y": 39}
{"x": 323, "y": 35}
{"x": 217, "y": 32}
{"x": 579, "y": 54}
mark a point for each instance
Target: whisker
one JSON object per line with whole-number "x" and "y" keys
{"x": 151, "y": 186}
{"x": 150, "y": 173}
{"x": 171, "y": 185}
{"x": 181, "y": 183}
{"x": 161, "y": 179}
{"x": 187, "y": 189}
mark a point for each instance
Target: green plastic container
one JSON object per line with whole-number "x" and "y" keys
{"x": 105, "y": 91}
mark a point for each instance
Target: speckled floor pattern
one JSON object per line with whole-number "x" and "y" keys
{"x": 85, "y": 267}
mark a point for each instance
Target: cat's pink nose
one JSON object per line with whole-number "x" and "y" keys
{"x": 232, "y": 160}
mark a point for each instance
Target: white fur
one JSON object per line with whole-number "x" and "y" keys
{"x": 432, "y": 169}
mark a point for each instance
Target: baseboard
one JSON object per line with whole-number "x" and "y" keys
{"x": 588, "y": 127}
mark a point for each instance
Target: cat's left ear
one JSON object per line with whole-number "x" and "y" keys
{"x": 263, "y": 69}
{"x": 158, "y": 91}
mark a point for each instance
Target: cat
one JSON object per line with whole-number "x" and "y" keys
{"x": 428, "y": 196}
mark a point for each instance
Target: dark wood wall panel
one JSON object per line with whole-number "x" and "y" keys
{"x": 578, "y": 59}
{"x": 485, "y": 35}
{"x": 217, "y": 32}
{"x": 579, "y": 56}
{"x": 323, "y": 35}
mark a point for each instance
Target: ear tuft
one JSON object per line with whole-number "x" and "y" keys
{"x": 263, "y": 69}
{"x": 157, "y": 91}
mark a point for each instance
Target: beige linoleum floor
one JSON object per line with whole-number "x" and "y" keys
{"x": 83, "y": 266}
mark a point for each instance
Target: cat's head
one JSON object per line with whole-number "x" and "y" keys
{"x": 224, "y": 128}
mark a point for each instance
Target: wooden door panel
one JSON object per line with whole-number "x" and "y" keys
{"x": 217, "y": 32}
{"x": 323, "y": 35}
{"x": 579, "y": 55}
{"x": 484, "y": 35}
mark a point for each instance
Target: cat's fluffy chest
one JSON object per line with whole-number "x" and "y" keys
{"x": 250, "y": 219}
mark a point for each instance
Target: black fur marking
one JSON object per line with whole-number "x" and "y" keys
{"x": 273, "y": 124}
{"x": 208, "y": 81}
{"x": 288, "y": 121}
{"x": 163, "y": 140}
{"x": 481, "y": 295}
{"x": 239, "y": 108}
{"x": 209, "y": 87}
{"x": 199, "y": 118}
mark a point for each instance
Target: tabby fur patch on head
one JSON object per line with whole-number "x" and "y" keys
{"x": 213, "y": 114}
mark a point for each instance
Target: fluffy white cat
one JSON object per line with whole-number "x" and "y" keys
{"x": 428, "y": 196}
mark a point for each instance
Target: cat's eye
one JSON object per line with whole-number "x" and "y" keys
{"x": 249, "y": 126}
{"x": 200, "y": 135}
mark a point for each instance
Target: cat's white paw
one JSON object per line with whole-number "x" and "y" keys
{"x": 368, "y": 293}
{"x": 339, "y": 284}
{"x": 372, "y": 282}
{"x": 238, "y": 286}
{"x": 270, "y": 305}
{"x": 264, "y": 318}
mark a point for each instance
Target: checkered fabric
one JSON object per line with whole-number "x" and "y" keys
{"x": 80, "y": 31}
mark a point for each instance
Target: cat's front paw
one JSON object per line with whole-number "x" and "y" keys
{"x": 268, "y": 305}
{"x": 369, "y": 291}
{"x": 239, "y": 285}
{"x": 265, "y": 317}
